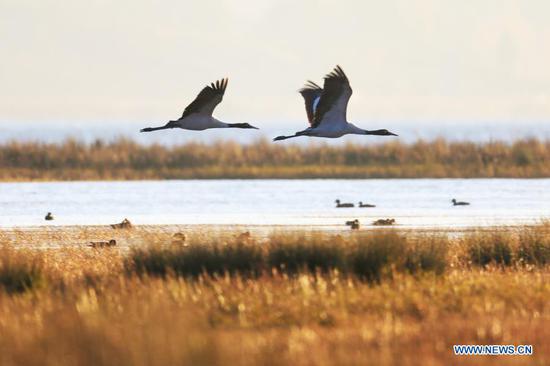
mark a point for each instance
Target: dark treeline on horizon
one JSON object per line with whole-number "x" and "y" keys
{"x": 126, "y": 159}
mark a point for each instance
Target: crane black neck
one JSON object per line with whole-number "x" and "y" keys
{"x": 376, "y": 132}
{"x": 240, "y": 125}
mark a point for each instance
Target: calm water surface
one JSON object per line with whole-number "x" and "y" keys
{"x": 413, "y": 203}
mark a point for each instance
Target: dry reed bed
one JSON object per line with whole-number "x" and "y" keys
{"x": 125, "y": 159}
{"x": 304, "y": 303}
{"x": 322, "y": 320}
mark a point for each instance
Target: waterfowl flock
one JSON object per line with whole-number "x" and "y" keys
{"x": 339, "y": 204}
{"x": 354, "y": 224}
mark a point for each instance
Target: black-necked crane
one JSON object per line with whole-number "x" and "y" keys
{"x": 326, "y": 109}
{"x": 197, "y": 116}
{"x": 343, "y": 205}
{"x": 459, "y": 203}
{"x": 364, "y": 205}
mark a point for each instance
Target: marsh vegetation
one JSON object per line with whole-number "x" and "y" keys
{"x": 296, "y": 298}
{"x": 125, "y": 159}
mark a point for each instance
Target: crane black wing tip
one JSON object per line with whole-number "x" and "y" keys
{"x": 279, "y": 138}
{"x": 309, "y": 86}
{"x": 312, "y": 85}
{"x": 219, "y": 85}
{"x": 337, "y": 72}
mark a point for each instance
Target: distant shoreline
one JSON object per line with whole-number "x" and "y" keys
{"x": 127, "y": 160}
{"x": 260, "y": 230}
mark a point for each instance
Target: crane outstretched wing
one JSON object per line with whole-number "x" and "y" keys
{"x": 312, "y": 94}
{"x": 208, "y": 99}
{"x": 334, "y": 99}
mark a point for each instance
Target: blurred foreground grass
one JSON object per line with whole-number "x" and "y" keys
{"x": 364, "y": 298}
{"x": 125, "y": 159}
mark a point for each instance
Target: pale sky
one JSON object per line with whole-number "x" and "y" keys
{"x": 141, "y": 60}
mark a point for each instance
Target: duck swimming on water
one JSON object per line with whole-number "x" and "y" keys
{"x": 459, "y": 203}
{"x": 361, "y": 204}
{"x": 343, "y": 205}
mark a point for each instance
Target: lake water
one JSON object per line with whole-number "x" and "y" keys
{"x": 418, "y": 203}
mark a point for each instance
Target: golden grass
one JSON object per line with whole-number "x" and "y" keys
{"x": 92, "y": 309}
{"x": 125, "y": 159}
